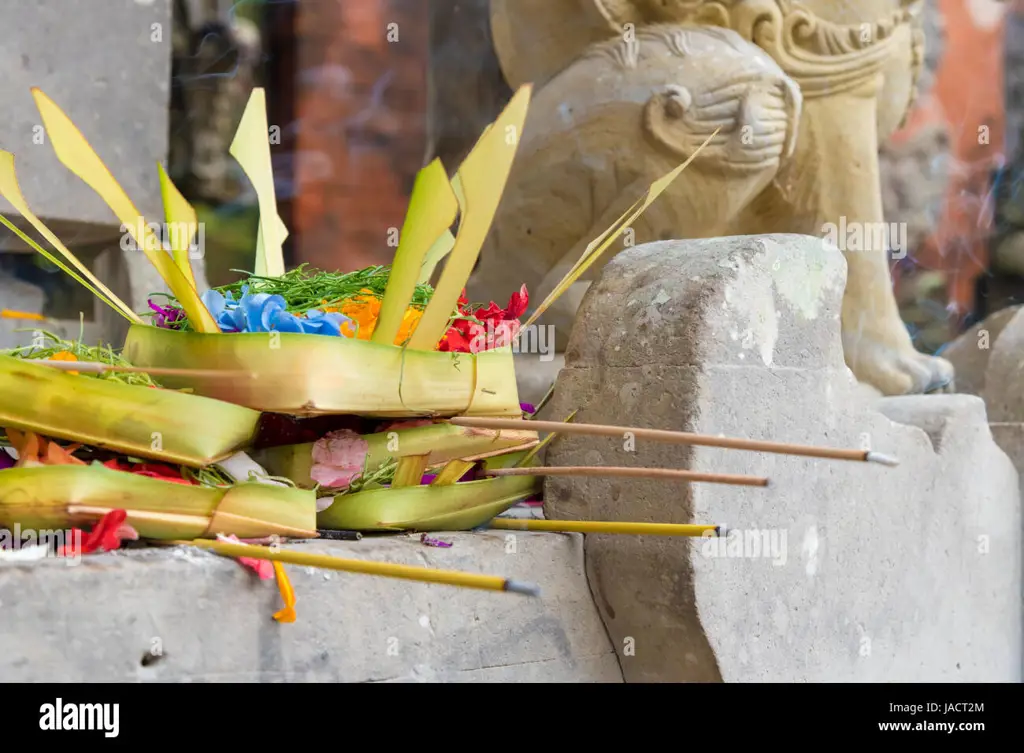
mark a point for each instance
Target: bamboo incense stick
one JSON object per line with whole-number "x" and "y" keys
{"x": 92, "y": 367}
{"x": 676, "y": 437}
{"x": 385, "y": 569}
{"x": 664, "y": 473}
{"x": 616, "y": 527}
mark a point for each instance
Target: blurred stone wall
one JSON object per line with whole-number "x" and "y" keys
{"x": 358, "y": 137}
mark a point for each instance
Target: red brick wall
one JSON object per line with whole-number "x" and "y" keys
{"x": 359, "y": 135}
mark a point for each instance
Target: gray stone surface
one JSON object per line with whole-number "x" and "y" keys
{"x": 213, "y": 622}
{"x": 103, "y": 64}
{"x": 989, "y": 362}
{"x": 22, "y": 296}
{"x": 1004, "y": 376}
{"x": 17, "y": 295}
{"x": 536, "y": 374}
{"x": 910, "y": 573}
{"x": 969, "y": 353}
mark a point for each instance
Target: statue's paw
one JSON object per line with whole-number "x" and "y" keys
{"x": 897, "y": 370}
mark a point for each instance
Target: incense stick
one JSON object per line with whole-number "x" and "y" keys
{"x": 677, "y": 437}
{"x": 610, "y": 527}
{"x": 385, "y": 569}
{"x": 665, "y": 473}
{"x": 92, "y": 367}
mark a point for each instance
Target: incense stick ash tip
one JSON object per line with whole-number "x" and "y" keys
{"x": 877, "y": 457}
{"x": 519, "y": 587}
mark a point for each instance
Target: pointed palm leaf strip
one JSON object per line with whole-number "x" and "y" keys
{"x": 410, "y": 471}
{"x": 452, "y": 472}
{"x": 482, "y": 176}
{"x": 602, "y": 243}
{"x": 11, "y": 191}
{"x": 78, "y": 156}
{"x": 251, "y": 149}
{"x": 542, "y": 444}
{"x": 443, "y": 245}
{"x": 8, "y": 314}
{"x": 432, "y": 209}
{"x": 180, "y": 216}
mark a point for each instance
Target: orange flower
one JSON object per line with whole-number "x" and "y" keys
{"x": 409, "y": 321}
{"x": 12, "y": 314}
{"x": 287, "y": 614}
{"x": 365, "y": 310}
{"x": 64, "y": 355}
{"x": 34, "y": 450}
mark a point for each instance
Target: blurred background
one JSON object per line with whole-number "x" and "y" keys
{"x": 364, "y": 92}
{"x": 346, "y": 84}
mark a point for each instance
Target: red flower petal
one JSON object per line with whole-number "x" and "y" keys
{"x": 105, "y": 536}
{"x": 454, "y": 342}
{"x": 493, "y": 311}
{"x": 158, "y": 469}
{"x": 171, "y": 479}
{"x": 517, "y": 304}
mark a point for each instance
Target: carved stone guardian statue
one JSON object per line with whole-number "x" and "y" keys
{"x": 803, "y": 92}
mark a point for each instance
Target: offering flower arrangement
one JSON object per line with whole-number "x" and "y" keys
{"x": 378, "y": 342}
{"x": 95, "y": 437}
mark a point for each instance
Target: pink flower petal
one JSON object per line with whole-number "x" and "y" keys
{"x": 125, "y": 531}
{"x": 338, "y": 457}
{"x": 263, "y": 568}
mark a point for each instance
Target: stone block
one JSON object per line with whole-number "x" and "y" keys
{"x": 970, "y": 352}
{"x": 989, "y": 362}
{"x": 211, "y": 620}
{"x": 837, "y": 571}
{"x": 107, "y": 65}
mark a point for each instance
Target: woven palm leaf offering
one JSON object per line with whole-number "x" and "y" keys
{"x": 144, "y": 457}
{"x": 115, "y": 408}
{"x": 164, "y": 464}
{"x": 379, "y": 342}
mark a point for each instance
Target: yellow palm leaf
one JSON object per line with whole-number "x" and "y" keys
{"x": 11, "y": 191}
{"x": 181, "y": 216}
{"x": 601, "y": 244}
{"x": 432, "y": 209}
{"x": 251, "y": 149}
{"x": 482, "y": 178}
{"x": 78, "y": 156}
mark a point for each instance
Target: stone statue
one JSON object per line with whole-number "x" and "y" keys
{"x": 804, "y": 91}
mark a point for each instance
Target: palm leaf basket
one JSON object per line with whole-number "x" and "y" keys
{"x": 284, "y": 372}
{"x": 309, "y": 375}
{"x": 443, "y": 505}
{"x": 60, "y": 496}
{"x": 163, "y": 425}
{"x": 438, "y": 444}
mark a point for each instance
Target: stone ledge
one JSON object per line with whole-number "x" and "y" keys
{"x": 95, "y": 622}
{"x": 863, "y": 572}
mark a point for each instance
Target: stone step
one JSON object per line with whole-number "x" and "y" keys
{"x": 184, "y": 615}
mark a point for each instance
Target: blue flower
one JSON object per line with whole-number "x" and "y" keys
{"x": 263, "y": 312}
